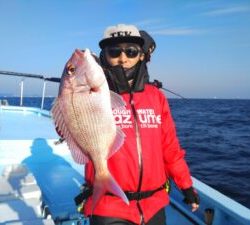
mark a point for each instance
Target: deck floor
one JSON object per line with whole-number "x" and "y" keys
{"x": 28, "y": 138}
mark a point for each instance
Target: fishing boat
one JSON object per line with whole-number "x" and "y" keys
{"x": 39, "y": 180}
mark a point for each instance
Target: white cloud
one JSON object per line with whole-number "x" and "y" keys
{"x": 227, "y": 10}
{"x": 177, "y": 31}
{"x": 148, "y": 22}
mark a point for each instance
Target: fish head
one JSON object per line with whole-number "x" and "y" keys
{"x": 81, "y": 73}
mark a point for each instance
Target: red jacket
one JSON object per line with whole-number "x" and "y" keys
{"x": 162, "y": 157}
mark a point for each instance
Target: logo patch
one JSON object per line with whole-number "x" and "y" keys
{"x": 121, "y": 34}
{"x": 147, "y": 118}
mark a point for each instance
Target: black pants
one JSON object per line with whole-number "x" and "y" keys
{"x": 158, "y": 219}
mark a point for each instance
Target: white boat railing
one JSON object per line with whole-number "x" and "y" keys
{"x": 21, "y": 93}
{"x": 43, "y": 95}
{"x": 57, "y": 80}
{"x": 36, "y": 76}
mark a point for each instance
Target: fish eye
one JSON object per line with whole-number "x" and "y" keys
{"x": 70, "y": 69}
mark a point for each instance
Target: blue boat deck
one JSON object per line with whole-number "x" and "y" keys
{"x": 27, "y": 137}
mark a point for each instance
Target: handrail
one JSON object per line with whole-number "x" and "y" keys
{"x": 43, "y": 96}
{"x": 57, "y": 80}
{"x": 29, "y": 75}
{"x": 21, "y": 94}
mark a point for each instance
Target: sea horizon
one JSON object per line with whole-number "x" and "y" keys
{"x": 172, "y": 97}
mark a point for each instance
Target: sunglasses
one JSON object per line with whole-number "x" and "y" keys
{"x": 116, "y": 51}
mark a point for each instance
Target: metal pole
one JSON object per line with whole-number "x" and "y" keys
{"x": 21, "y": 94}
{"x": 44, "y": 89}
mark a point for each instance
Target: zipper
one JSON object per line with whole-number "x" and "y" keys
{"x": 139, "y": 150}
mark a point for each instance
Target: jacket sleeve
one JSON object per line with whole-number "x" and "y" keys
{"x": 175, "y": 164}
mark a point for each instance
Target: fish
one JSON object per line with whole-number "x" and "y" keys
{"x": 82, "y": 114}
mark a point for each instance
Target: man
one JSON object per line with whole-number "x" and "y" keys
{"x": 151, "y": 153}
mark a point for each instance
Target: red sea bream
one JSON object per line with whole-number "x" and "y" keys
{"x": 83, "y": 115}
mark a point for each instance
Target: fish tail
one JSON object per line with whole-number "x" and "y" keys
{"x": 106, "y": 184}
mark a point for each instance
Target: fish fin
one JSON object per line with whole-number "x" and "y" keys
{"x": 116, "y": 100}
{"x": 54, "y": 102}
{"x": 106, "y": 184}
{"x": 75, "y": 150}
{"x": 118, "y": 142}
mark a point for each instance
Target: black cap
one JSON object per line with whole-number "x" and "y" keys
{"x": 149, "y": 43}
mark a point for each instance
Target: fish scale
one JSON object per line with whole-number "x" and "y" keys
{"x": 83, "y": 115}
{"x": 93, "y": 123}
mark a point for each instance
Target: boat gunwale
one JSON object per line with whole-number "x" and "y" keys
{"x": 42, "y": 112}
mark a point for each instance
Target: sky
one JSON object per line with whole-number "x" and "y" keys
{"x": 203, "y": 46}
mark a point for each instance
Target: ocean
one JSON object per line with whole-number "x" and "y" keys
{"x": 216, "y": 136}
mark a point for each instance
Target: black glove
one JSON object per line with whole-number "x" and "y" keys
{"x": 191, "y": 196}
